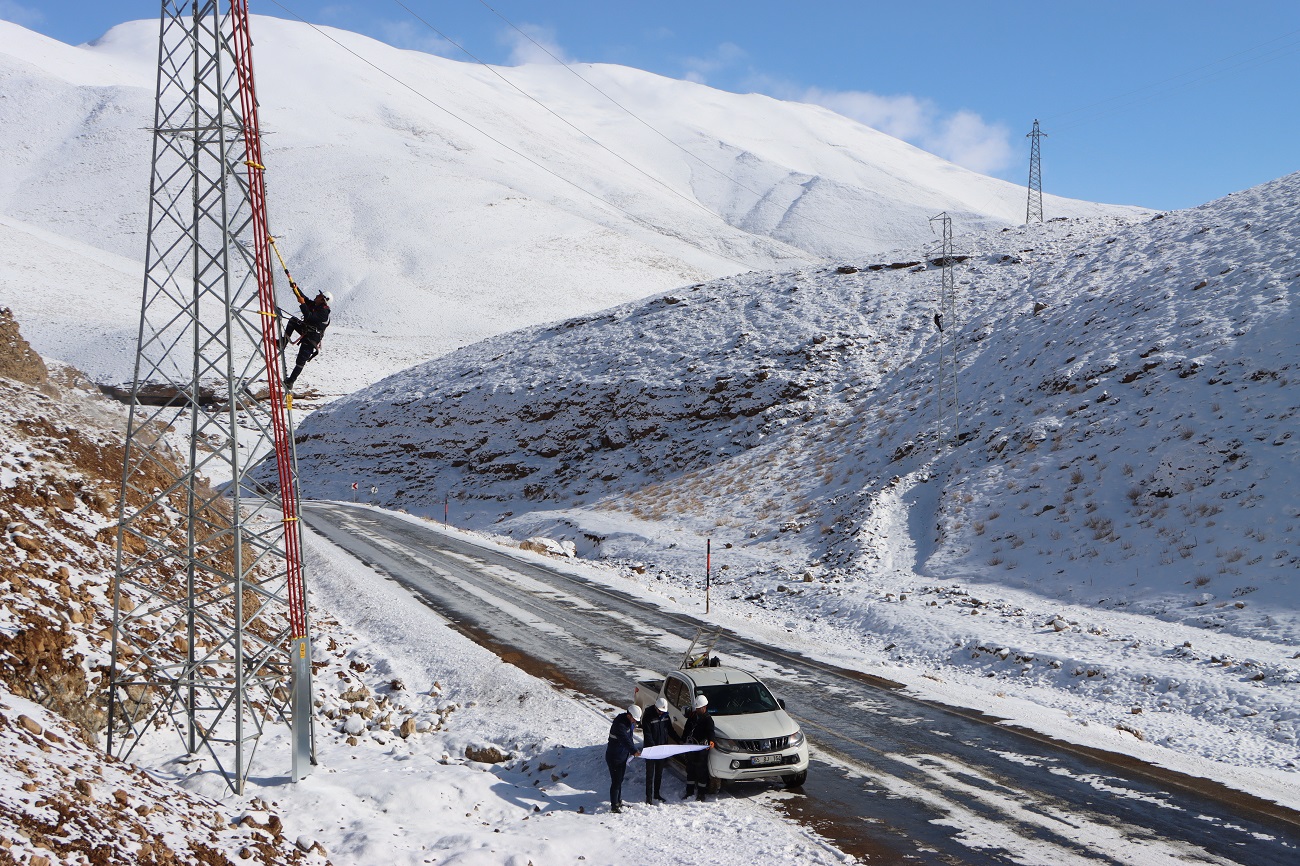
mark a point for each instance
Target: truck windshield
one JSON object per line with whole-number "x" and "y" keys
{"x": 737, "y": 699}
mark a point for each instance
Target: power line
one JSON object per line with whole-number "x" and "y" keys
{"x": 654, "y": 129}
{"x": 582, "y": 132}
{"x": 637, "y": 219}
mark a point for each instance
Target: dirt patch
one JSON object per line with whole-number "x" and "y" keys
{"x": 17, "y": 360}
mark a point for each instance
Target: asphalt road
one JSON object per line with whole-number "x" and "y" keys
{"x": 893, "y": 779}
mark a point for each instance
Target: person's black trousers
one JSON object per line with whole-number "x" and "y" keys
{"x": 616, "y": 771}
{"x": 654, "y": 775}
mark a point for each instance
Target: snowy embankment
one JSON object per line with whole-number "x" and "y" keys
{"x": 1111, "y": 540}
{"x": 430, "y": 748}
{"x": 538, "y": 791}
{"x": 436, "y": 225}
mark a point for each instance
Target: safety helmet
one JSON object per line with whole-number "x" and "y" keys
{"x": 662, "y": 705}
{"x": 329, "y": 297}
{"x": 635, "y": 712}
{"x": 701, "y": 701}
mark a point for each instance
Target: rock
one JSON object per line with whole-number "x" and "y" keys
{"x": 408, "y": 728}
{"x": 28, "y": 724}
{"x": 354, "y": 724}
{"x": 549, "y": 546}
{"x": 1060, "y": 624}
{"x": 26, "y": 542}
{"x": 485, "y": 754}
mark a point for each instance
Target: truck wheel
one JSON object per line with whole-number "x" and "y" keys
{"x": 796, "y": 780}
{"x": 715, "y": 784}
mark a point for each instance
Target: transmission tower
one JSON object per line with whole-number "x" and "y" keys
{"x": 209, "y": 623}
{"x": 947, "y": 404}
{"x": 1034, "y": 208}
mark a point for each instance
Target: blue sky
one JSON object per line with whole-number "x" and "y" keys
{"x": 1163, "y": 103}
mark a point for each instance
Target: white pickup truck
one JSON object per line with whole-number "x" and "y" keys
{"x": 754, "y": 736}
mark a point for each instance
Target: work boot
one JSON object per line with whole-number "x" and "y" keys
{"x": 660, "y": 797}
{"x": 690, "y": 789}
{"x": 699, "y": 796}
{"x": 616, "y": 808}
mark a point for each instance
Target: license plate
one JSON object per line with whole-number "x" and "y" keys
{"x": 766, "y": 759}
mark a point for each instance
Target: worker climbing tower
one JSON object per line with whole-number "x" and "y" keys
{"x": 1034, "y": 207}
{"x": 946, "y": 394}
{"x": 209, "y": 626}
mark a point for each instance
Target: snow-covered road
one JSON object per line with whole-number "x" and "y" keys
{"x": 892, "y": 776}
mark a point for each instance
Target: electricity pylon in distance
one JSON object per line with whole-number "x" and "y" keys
{"x": 209, "y": 625}
{"x": 1034, "y": 207}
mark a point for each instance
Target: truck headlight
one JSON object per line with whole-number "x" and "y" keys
{"x": 797, "y": 738}
{"x": 722, "y": 744}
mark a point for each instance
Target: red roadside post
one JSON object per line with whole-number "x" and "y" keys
{"x": 708, "y": 571}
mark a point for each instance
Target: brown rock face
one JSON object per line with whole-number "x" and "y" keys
{"x": 17, "y": 360}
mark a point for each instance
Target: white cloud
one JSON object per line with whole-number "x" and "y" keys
{"x": 24, "y": 16}
{"x": 725, "y": 56}
{"x": 416, "y": 37}
{"x": 538, "y": 46}
{"x": 962, "y": 137}
{"x": 968, "y": 140}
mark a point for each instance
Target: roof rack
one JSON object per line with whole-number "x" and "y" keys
{"x": 702, "y": 657}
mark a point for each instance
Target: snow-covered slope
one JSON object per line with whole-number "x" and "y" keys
{"x": 1122, "y": 386}
{"x": 1127, "y": 425}
{"x": 430, "y": 233}
{"x": 428, "y": 746}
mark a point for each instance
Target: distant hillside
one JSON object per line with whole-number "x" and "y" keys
{"x": 430, "y": 234}
{"x": 1126, "y": 418}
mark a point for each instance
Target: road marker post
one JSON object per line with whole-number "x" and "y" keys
{"x": 708, "y": 571}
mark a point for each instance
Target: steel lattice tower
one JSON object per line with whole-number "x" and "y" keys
{"x": 209, "y": 625}
{"x": 947, "y": 403}
{"x": 1034, "y": 207}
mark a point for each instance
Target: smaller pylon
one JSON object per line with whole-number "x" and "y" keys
{"x": 1034, "y": 208}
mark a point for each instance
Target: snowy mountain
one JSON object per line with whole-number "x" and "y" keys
{"x": 443, "y": 202}
{"x": 1126, "y": 433}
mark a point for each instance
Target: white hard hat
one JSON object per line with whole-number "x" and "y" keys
{"x": 635, "y": 712}
{"x": 701, "y": 701}
{"x": 662, "y": 705}
{"x": 329, "y": 297}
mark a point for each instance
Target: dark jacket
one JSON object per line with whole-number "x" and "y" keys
{"x": 315, "y": 319}
{"x": 621, "y": 745}
{"x": 699, "y": 728}
{"x": 654, "y": 727}
{"x": 315, "y": 316}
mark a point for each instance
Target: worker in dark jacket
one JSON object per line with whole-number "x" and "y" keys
{"x": 654, "y": 732}
{"x": 621, "y": 747}
{"x": 698, "y": 730}
{"x": 315, "y": 319}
